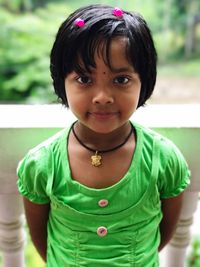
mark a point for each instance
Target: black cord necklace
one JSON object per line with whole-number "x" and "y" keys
{"x": 96, "y": 159}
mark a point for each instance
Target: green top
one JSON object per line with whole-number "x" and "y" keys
{"x": 113, "y": 226}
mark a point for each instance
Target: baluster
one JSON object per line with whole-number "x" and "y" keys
{"x": 12, "y": 234}
{"x": 175, "y": 254}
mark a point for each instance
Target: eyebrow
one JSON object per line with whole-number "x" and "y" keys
{"x": 114, "y": 70}
{"x": 123, "y": 69}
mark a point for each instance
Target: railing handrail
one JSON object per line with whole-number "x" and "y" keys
{"x": 56, "y": 115}
{"x": 21, "y": 126}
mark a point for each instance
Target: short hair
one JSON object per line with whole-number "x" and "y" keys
{"x": 74, "y": 47}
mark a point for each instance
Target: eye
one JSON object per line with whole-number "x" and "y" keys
{"x": 84, "y": 80}
{"x": 121, "y": 80}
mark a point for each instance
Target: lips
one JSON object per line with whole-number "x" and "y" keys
{"x": 103, "y": 115}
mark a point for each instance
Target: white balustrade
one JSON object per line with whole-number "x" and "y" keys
{"x": 22, "y": 127}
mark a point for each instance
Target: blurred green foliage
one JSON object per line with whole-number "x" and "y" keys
{"x": 28, "y": 30}
{"x": 25, "y": 43}
{"x": 194, "y": 257}
{"x": 181, "y": 67}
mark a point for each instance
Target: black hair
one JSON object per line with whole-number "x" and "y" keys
{"x": 73, "y": 43}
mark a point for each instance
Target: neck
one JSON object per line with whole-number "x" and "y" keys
{"x": 99, "y": 141}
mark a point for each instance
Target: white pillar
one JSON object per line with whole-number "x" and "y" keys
{"x": 175, "y": 252}
{"x": 12, "y": 234}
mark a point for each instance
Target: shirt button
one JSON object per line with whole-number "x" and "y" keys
{"x": 103, "y": 203}
{"x": 102, "y": 231}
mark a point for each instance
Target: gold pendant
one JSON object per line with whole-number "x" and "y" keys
{"x": 96, "y": 159}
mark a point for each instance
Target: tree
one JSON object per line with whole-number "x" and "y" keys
{"x": 193, "y": 19}
{"x": 25, "y": 43}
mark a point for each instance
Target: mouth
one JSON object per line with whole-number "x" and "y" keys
{"x": 103, "y": 115}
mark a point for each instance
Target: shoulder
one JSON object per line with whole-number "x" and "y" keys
{"x": 166, "y": 146}
{"x": 49, "y": 144}
{"x": 42, "y": 154}
{"x": 173, "y": 172}
{"x": 36, "y": 168}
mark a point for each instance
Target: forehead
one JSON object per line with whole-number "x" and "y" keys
{"x": 116, "y": 56}
{"x": 110, "y": 52}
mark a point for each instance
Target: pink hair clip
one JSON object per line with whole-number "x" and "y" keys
{"x": 79, "y": 22}
{"x": 117, "y": 12}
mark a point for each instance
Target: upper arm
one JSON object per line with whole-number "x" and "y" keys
{"x": 36, "y": 214}
{"x": 171, "y": 209}
{"x": 34, "y": 174}
{"x": 174, "y": 174}
{"x": 37, "y": 218}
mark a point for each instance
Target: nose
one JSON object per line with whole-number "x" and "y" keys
{"x": 103, "y": 96}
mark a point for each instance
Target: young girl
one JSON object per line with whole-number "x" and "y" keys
{"x": 107, "y": 191}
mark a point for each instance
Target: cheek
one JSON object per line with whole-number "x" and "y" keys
{"x": 130, "y": 105}
{"x": 76, "y": 103}
{"x": 69, "y": 94}
{"x": 132, "y": 97}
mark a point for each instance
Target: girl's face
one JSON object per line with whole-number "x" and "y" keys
{"x": 105, "y": 99}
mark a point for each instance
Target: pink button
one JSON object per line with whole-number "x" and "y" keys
{"x": 103, "y": 203}
{"x": 102, "y": 231}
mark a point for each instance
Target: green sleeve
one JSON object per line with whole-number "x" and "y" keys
{"x": 175, "y": 177}
{"x": 33, "y": 174}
